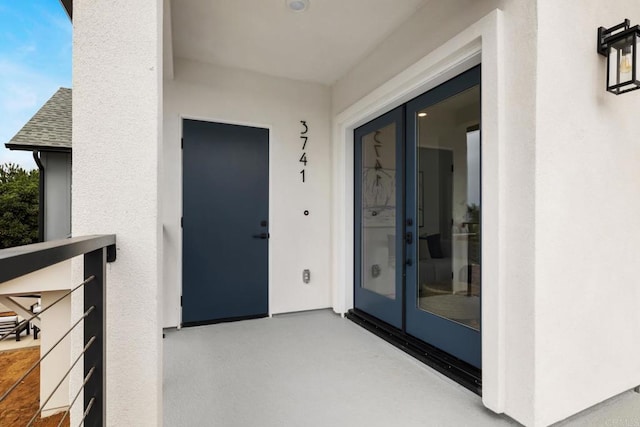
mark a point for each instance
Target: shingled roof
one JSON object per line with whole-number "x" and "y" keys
{"x": 49, "y": 129}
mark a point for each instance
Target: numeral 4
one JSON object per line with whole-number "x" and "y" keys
{"x": 303, "y": 159}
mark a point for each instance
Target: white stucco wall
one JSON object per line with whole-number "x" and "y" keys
{"x": 587, "y": 322}
{"x": 509, "y": 76}
{"x": 117, "y": 116}
{"x": 560, "y": 313}
{"x": 569, "y": 331}
{"x": 427, "y": 29}
{"x": 211, "y": 93}
{"x": 56, "y": 322}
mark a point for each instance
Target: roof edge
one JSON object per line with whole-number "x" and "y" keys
{"x": 27, "y": 147}
{"x": 68, "y": 6}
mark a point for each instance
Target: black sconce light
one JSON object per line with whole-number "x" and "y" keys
{"x": 620, "y": 44}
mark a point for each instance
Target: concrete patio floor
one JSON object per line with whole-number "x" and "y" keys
{"x": 318, "y": 369}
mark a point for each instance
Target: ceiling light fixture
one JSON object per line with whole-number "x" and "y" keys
{"x": 297, "y": 5}
{"x": 422, "y": 114}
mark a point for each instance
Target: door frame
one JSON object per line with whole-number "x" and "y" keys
{"x": 182, "y": 118}
{"x": 403, "y": 312}
{"x": 467, "y": 345}
{"x": 479, "y": 43}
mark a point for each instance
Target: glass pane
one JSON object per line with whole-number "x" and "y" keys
{"x": 448, "y": 208}
{"x": 621, "y": 61}
{"x": 379, "y": 211}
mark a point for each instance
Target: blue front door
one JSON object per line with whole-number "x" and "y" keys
{"x": 418, "y": 217}
{"x": 225, "y": 222}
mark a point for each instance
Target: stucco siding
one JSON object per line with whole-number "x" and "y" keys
{"x": 509, "y": 358}
{"x": 117, "y": 116}
{"x": 206, "y": 92}
{"x": 587, "y": 177}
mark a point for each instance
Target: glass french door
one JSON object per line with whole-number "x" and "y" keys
{"x": 418, "y": 217}
{"x": 379, "y": 154}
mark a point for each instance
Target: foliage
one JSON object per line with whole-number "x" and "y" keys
{"x": 18, "y": 206}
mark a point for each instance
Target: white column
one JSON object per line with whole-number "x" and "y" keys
{"x": 117, "y": 114}
{"x": 55, "y": 323}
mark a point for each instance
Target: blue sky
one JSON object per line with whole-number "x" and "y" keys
{"x": 35, "y": 60}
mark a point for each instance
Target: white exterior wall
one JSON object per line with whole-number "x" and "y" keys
{"x": 57, "y": 195}
{"x": 56, "y": 323}
{"x": 509, "y": 76}
{"x": 210, "y": 93}
{"x": 117, "y": 116}
{"x": 569, "y": 332}
{"x": 561, "y": 333}
{"x": 587, "y": 319}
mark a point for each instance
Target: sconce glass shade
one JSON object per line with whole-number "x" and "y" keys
{"x": 623, "y": 63}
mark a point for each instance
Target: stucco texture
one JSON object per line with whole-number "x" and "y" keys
{"x": 587, "y": 184}
{"x": 117, "y": 113}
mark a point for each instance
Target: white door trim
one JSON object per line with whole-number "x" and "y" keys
{"x": 480, "y": 42}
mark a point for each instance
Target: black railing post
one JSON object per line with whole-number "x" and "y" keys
{"x": 94, "y": 325}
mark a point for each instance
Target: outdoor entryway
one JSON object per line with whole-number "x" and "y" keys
{"x": 225, "y": 222}
{"x": 418, "y": 217}
{"x": 307, "y": 369}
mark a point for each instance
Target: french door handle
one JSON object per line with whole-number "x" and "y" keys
{"x": 261, "y": 236}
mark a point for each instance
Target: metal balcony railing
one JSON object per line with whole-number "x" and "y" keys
{"x": 97, "y": 251}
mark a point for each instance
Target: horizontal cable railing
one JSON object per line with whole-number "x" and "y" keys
{"x": 17, "y": 262}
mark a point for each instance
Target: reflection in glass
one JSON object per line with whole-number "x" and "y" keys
{"x": 379, "y": 211}
{"x": 449, "y": 207}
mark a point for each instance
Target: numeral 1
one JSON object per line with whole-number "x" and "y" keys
{"x": 302, "y": 172}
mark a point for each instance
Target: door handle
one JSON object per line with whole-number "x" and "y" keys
{"x": 409, "y": 238}
{"x": 261, "y": 236}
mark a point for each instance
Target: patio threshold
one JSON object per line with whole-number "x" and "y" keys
{"x": 461, "y": 372}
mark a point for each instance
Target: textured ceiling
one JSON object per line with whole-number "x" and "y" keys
{"x": 319, "y": 45}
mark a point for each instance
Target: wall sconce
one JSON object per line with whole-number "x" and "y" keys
{"x": 620, "y": 44}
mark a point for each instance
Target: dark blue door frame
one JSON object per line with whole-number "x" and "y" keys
{"x": 454, "y": 338}
{"x": 225, "y": 228}
{"x": 404, "y": 312}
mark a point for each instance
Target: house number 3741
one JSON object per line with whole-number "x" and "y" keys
{"x": 305, "y": 139}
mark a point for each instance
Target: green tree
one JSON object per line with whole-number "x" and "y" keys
{"x": 18, "y": 206}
